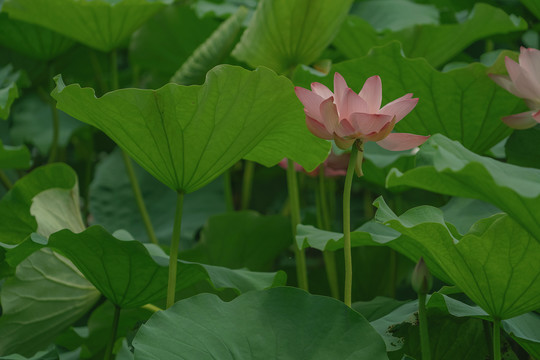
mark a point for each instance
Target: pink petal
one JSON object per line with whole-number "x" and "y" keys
{"x": 522, "y": 121}
{"x": 372, "y": 93}
{"x": 311, "y": 102}
{"x": 529, "y": 59}
{"x": 354, "y": 103}
{"x": 329, "y": 114}
{"x": 402, "y": 141}
{"x": 318, "y": 129}
{"x": 525, "y": 85}
{"x": 536, "y": 116}
{"x": 506, "y": 83}
{"x": 342, "y": 143}
{"x": 366, "y": 124}
{"x": 384, "y": 132}
{"x": 345, "y": 129}
{"x": 340, "y": 91}
{"x": 321, "y": 90}
{"x": 400, "y": 107}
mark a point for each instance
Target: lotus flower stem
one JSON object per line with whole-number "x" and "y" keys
{"x": 138, "y": 198}
{"x": 294, "y": 203}
{"x": 110, "y": 346}
{"x": 129, "y": 166}
{"x": 324, "y": 223}
{"x": 229, "y": 200}
{"x": 173, "y": 254}
{"x": 56, "y": 130}
{"x": 422, "y": 320}
{"x": 347, "y": 225}
{"x": 247, "y": 184}
{"x": 496, "y": 339}
{"x": 5, "y": 180}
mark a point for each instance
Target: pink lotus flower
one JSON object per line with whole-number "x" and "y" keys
{"x": 524, "y": 82}
{"x": 344, "y": 116}
{"x": 334, "y": 165}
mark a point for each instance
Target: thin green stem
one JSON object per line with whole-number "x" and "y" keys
{"x": 98, "y": 73}
{"x": 496, "y": 339}
{"x": 347, "y": 225}
{"x": 110, "y": 346}
{"x": 55, "y": 120}
{"x": 422, "y": 320}
{"x": 294, "y": 201}
{"x": 5, "y": 180}
{"x": 56, "y": 131}
{"x": 247, "y": 184}
{"x": 227, "y": 185}
{"x": 139, "y": 198}
{"x": 324, "y": 223}
{"x": 173, "y": 255}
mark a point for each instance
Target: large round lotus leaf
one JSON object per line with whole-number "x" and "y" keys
{"x": 280, "y": 323}
{"x": 101, "y": 24}
{"x": 495, "y": 263}
{"x": 285, "y": 33}
{"x": 131, "y": 274}
{"x": 449, "y": 168}
{"x": 186, "y": 136}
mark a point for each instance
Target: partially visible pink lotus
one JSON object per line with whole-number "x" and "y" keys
{"x": 524, "y": 82}
{"x": 334, "y": 165}
{"x": 344, "y": 116}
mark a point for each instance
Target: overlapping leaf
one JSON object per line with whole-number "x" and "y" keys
{"x": 8, "y": 89}
{"x": 130, "y": 274}
{"x": 437, "y": 43}
{"x": 449, "y": 168}
{"x": 101, "y": 24}
{"x": 167, "y": 40}
{"x": 285, "y": 33}
{"x": 212, "y": 52}
{"x": 32, "y": 40}
{"x": 17, "y": 221}
{"x": 284, "y": 323}
{"x": 495, "y": 263}
{"x": 188, "y": 136}
{"x": 47, "y": 293}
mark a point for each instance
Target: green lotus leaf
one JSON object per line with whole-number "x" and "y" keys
{"x": 131, "y": 274}
{"x": 47, "y": 294}
{"x": 212, "y": 52}
{"x": 8, "y": 89}
{"x": 17, "y": 220}
{"x": 243, "y": 239}
{"x": 446, "y": 316}
{"x": 449, "y": 168}
{"x": 463, "y": 104}
{"x": 186, "y": 136}
{"x": 495, "y": 263}
{"x": 395, "y": 15}
{"x": 280, "y": 323}
{"x": 438, "y": 44}
{"x": 102, "y": 24}
{"x": 32, "y": 40}
{"x": 14, "y": 157}
{"x": 285, "y": 33}
{"x": 167, "y": 40}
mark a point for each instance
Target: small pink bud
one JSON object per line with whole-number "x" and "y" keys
{"x": 422, "y": 280}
